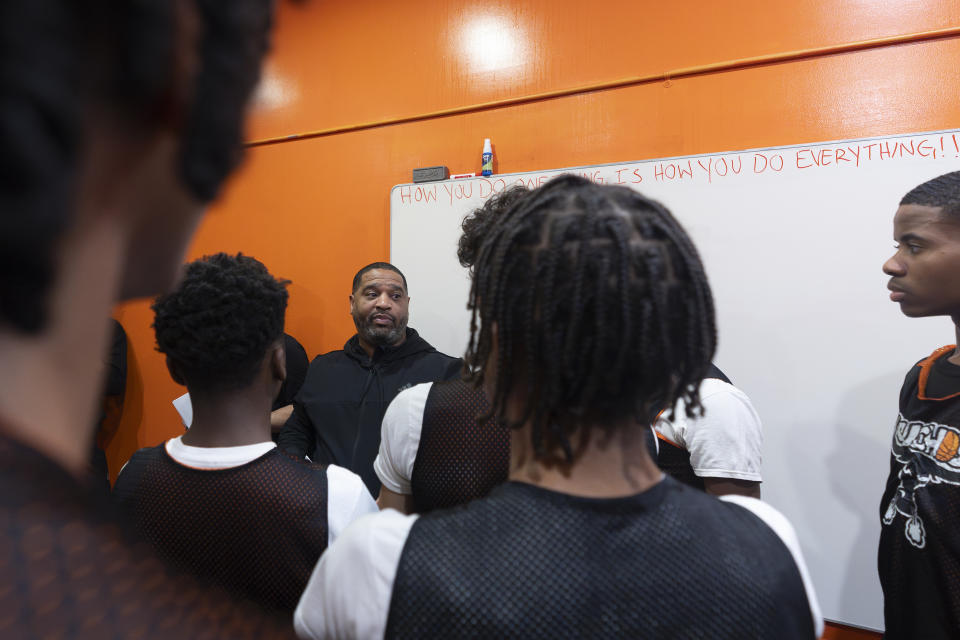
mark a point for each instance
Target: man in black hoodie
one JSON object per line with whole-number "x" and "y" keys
{"x": 337, "y": 414}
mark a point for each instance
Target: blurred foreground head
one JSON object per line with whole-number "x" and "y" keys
{"x": 590, "y": 307}
{"x": 118, "y": 114}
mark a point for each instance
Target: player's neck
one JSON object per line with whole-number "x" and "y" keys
{"x": 229, "y": 420}
{"x": 607, "y": 463}
{"x": 50, "y": 383}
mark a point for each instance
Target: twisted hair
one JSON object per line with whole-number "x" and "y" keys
{"x": 62, "y": 57}
{"x": 598, "y": 307}
{"x": 217, "y": 325}
{"x": 942, "y": 191}
{"x": 477, "y": 223}
{"x": 236, "y": 36}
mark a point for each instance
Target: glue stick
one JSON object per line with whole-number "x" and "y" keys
{"x": 486, "y": 169}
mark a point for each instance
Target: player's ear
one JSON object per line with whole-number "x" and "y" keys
{"x": 278, "y": 362}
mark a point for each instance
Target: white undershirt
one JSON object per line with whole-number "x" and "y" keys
{"x": 348, "y": 595}
{"x": 347, "y": 496}
{"x": 400, "y": 438}
{"x": 726, "y": 442}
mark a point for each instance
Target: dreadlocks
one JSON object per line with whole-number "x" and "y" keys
{"x": 596, "y": 301}
{"x": 478, "y": 222}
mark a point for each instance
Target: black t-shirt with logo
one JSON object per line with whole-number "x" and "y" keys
{"x": 919, "y": 555}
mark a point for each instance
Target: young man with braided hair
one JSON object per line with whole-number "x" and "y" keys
{"x": 119, "y": 122}
{"x": 591, "y": 311}
{"x": 433, "y": 451}
{"x": 919, "y": 555}
{"x": 222, "y": 501}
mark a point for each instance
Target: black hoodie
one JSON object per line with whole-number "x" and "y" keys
{"x": 337, "y": 413}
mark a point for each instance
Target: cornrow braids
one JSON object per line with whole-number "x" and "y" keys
{"x": 942, "y": 191}
{"x": 217, "y": 325}
{"x": 596, "y": 304}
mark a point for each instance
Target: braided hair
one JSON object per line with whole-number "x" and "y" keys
{"x": 62, "y": 57}
{"x": 478, "y": 222}
{"x": 216, "y": 327}
{"x": 596, "y": 304}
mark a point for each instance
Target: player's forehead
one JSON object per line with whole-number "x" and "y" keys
{"x": 924, "y": 221}
{"x": 381, "y": 279}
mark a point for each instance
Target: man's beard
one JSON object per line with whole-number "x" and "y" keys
{"x": 381, "y": 336}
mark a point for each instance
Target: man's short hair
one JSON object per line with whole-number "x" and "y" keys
{"x": 942, "y": 191}
{"x": 378, "y": 265}
{"x": 217, "y": 325}
{"x": 478, "y": 222}
{"x": 62, "y": 57}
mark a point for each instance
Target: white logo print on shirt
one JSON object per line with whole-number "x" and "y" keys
{"x": 928, "y": 452}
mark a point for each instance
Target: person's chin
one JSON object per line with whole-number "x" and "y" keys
{"x": 914, "y": 311}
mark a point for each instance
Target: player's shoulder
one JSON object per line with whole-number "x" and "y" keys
{"x": 413, "y": 394}
{"x": 717, "y": 388}
{"x": 372, "y": 537}
{"x": 343, "y": 480}
{"x": 765, "y": 512}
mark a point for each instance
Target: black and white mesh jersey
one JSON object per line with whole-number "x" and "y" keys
{"x": 458, "y": 459}
{"x": 256, "y": 529}
{"x": 526, "y": 562}
{"x": 919, "y": 555}
{"x": 68, "y": 570}
{"x": 673, "y": 459}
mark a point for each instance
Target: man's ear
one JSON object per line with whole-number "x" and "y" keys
{"x": 278, "y": 362}
{"x": 351, "y": 304}
{"x": 175, "y": 373}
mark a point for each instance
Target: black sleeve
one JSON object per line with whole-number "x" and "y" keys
{"x": 297, "y": 365}
{"x": 453, "y": 369}
{"x": 297, "y": 436}
{"x": 714, "y": 372}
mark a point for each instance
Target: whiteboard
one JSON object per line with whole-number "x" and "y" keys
{"x": 793, "y": 239}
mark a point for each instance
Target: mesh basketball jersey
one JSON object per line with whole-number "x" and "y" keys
{"x": 525, "y": 562}
{"x": 674, "y": 460}
{"x": 457, "y": 459}
{"x": 67, "y": 571}
{"x": 257, "y": 529}
{"x": 919, "y": 556}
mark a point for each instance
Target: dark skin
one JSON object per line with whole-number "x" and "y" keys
{"x": 732, "y": 486}
{"x": 925, "y": 270}
{"x": 112, "y": 250}
{"x": 240, "y": 417}
{"x": 381, "y": 300}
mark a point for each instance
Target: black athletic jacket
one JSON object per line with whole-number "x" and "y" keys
{"x": 337, "y": 414}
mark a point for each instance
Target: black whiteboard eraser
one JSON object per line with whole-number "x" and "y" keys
{"x": 429, "y": 174}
